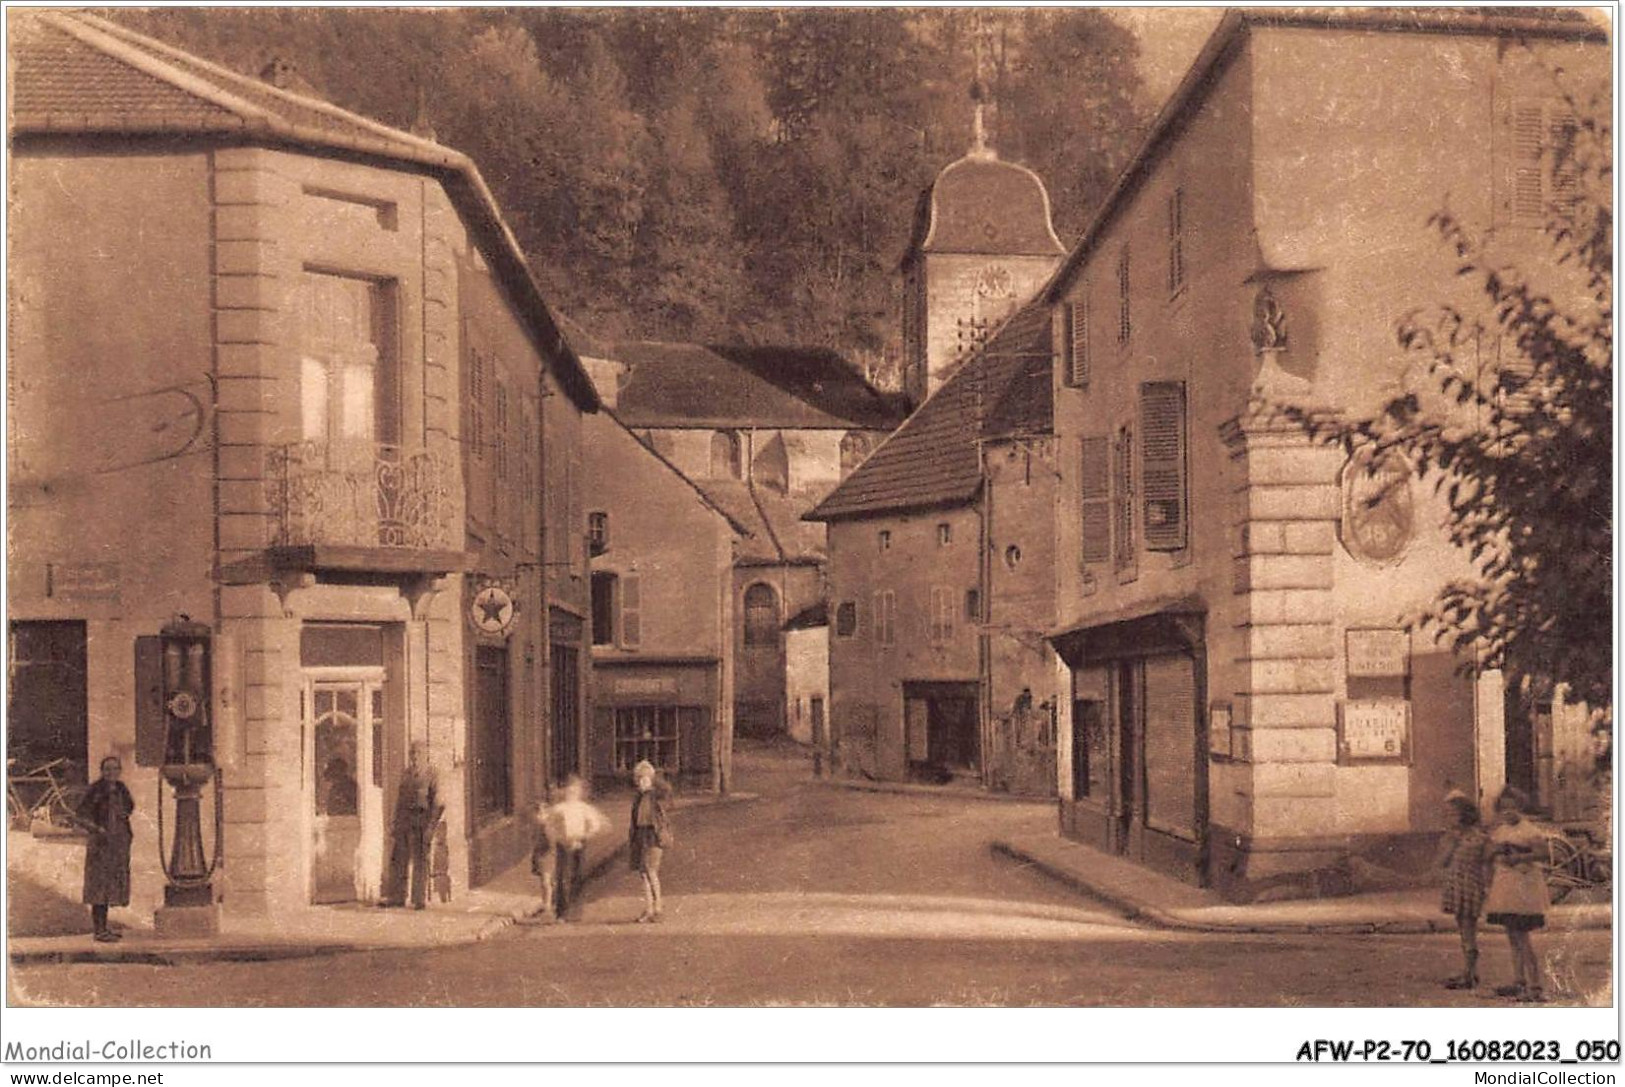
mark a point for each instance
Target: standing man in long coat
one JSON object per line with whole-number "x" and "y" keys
{"x": 104, "y": 813}
{"x": 417, "y": 812}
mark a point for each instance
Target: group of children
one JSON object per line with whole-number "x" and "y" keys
{"x": 1500, "y": 874}
{"x": 564, "y": 826}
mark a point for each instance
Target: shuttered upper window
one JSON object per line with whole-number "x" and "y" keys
{"x": 942, "y": 614}
{"x": 1094, "y": 496}
{"x": 1176, "y": 242}
{"x": 1123, "y": 327}
{"x": 1538, "y": 177}
{"x": 1076, "y": 339}
{"x": 885, "y": 617}
{"x": 1123, "y": 555}
{"x": 1162, "y": 469}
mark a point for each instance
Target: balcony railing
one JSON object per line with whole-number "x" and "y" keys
{"x": 360, "y": 494}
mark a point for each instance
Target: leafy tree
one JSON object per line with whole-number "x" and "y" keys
{"x": 1522, "y": 447}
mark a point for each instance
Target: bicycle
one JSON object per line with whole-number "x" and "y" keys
{"x": 1573, "y": 863}
{"x": 51, "y": 801}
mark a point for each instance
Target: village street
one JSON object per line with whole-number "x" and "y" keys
{"x": 817, "y": 894}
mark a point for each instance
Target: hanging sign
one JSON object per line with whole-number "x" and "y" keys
{"x": 493, "y": 610}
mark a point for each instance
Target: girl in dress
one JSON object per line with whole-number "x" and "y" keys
{"x": 1518, "y": 898}
{"x": 1465, "y": 857}
{"x": 105, "y": 812}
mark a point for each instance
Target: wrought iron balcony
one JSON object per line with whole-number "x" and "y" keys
{"x": 360, "y": 494}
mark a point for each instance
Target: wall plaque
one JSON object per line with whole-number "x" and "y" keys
{"x": 1379, "y": 652}
{"x": 82, "y": 580}
{"x": 1377, "y": 729}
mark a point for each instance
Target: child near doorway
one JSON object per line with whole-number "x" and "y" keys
{"x": 543, "y": 860}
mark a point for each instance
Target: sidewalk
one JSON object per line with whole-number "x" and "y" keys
{"x": 43, "y": 880}
{"x": 1153, "y": 899}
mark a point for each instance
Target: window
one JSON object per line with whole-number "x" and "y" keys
{"x": 1539, "y": 176}
{"x": 1162, "y": 467}
{"x": 603, "y": 609}
{"x": 973, "y": 605}
{"x": 478, "y": 382}
{"x": 348, "y": 384}
{"x": 630, "y": 606}
{"x": 945, "y": 534}
{"x": 653, "y": 733}
{"x": 493, "y": 736}
{"x": 726, "y": 459}
{"x": 970, "y": 334}
{"x": 942, "y": 615}
{"x": 47, "y": 699}
{"x": 1094, "y": 500}
{"x": 501, "y": 436}
{"x": 846, "y": 619}
{"x": 885, "y": 539}
{"x": 1076, "y": 339}
{"x": 1122, "y": 296}
{"x": 761, "y": 617}
{"x": 597, "y": 532}
{"x": 1123, "y": 513}
{"x": 1176, "y": 242}
{"x": 886, "y": 617}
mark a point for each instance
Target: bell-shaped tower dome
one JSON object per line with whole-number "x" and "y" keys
{"x": 983, "y": 244}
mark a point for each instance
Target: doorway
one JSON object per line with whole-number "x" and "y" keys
{"x": 942, "y": 729}
{"x": 47, "y": 712}
{"x": 343, "y": 760}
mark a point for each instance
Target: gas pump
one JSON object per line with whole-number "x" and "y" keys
{"x": 180, "y": 737}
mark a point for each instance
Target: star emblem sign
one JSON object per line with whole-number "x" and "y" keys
{"x": 493, "y": 609}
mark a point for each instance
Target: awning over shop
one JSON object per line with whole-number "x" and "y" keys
{"x": 1158, "y": 625}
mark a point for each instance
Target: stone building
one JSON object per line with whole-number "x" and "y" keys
{"x": 283, "y": 371}
{"x": 941, "y": 543}
{"x": 662, "y": 614}
{"x": 1245, "y": 702}
{"x": 766, "y": 432}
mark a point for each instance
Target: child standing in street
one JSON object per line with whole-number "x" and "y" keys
{"x": 1465, "y": 857}
{"x": 1518, "y": 898}
{"x": 571, "y": 822}
{"x": 650, "y": 835}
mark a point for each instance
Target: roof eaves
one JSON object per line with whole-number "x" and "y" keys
{"x": 1193, "y": 87}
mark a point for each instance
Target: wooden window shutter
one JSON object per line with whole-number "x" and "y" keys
{"x": 1162, "y": 471}
{"x": 1095, "y": 499}
{"x": 1176, "y": 241}
{"x": 1528, "y": 129}
{"x": 1123, "y": 328}
{"x": 1077, "y": 340}
{"x": 631, "y": 611}
{"x": 1123, "y": 502}
{"x": 1539, "y": 176}
{"x": 151, "y": 721}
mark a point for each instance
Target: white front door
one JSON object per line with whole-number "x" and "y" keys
{"x": 343, "y": 793}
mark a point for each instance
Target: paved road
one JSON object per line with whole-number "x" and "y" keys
{"x": 819, "y": 895}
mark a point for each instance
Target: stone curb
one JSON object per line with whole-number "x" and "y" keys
{"x": 904, "y": 788}
{"x": 1154, "y": 917}
{"x": 252, "y": 952}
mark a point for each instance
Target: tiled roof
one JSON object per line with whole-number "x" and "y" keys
{"x": 71, "y": 73}
{"x": 777, "y": 532}
{"x": 980, "y": 204}
{"x": 931, "y": 460}
{"x": 699, "y": 385}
